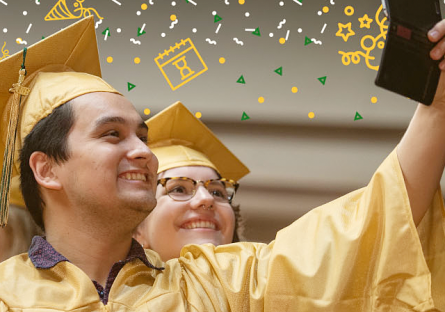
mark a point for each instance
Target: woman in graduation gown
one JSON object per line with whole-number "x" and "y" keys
{"x": 190, "y": 212}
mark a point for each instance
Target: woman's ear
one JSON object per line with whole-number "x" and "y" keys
{"x": 43, "y": 168}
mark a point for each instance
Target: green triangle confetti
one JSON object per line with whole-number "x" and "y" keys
{"x": 43, "y": 37}
{"x": 241, "y": 80}
{"x": 322, "y": 80}
{"x": 245, "y": 116}
{"x": 130, "y": 86}
{"x": 257, "y": 32}
{"x": 279, "y": 71}
{"x": 307, "y": 40}
{"x": 217, "y": 18}
{"x": 357, "y": 116}
{"x": 140, "y": 33}
{"x": 105, "y": 31}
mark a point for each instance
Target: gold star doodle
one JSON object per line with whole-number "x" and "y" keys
{"x": 340, "y": 31}
{"x": 365, "y": 21}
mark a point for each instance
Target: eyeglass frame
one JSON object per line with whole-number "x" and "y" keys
{"x": 163, "y": 182}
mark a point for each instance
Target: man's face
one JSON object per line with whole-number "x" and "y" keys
{"x": 110, "y": 173}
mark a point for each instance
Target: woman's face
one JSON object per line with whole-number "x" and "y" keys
{"x": 174, "y": 224}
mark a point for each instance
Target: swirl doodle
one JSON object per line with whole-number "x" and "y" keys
{"x": 5, "y": 53}
{"x": 368, "y": 43}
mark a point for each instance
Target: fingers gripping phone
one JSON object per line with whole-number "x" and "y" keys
{"x": 406, "y": 66}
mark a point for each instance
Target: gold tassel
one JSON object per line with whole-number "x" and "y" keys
{"x": 8, "y": 159}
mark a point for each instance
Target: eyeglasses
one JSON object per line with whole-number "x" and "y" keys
{"x": 182, "y": 188}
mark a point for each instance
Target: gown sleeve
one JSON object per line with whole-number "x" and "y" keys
{"x": 360, "y": 252}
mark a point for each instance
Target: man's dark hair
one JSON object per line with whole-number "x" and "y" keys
{"x": 49, "y": 136}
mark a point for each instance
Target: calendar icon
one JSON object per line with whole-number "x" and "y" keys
{"x": 181, "y": 63}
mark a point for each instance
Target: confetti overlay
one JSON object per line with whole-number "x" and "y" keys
{"x": 311, "y": 115}
{"x": 110, "y": 59}
{"x": 184, "y": 59}
{"x": 294, "y": 89}
{"x": 3, "y": 2}
{"x": 365, "y": 21}
{"x": 146, "y": 112}
{"x": 357, "y": 116}
{"x": 241, "y": 80}
{"x": 349, "y": 10}
{"x": 261, "y": 100}
{"x": 60, "y": 11}
{"x": 279, "y": 71}
{"x": 141, "y": 30}
{"x": 373, "y": 100}
{"x": 238, "y": 41}
{"x": 198, "y": 115}
{"x": 20, "y": 41}
{"x": 135, "y": 41}
{"x": 211, "y": 41}
{"x": 222, "y": 60}
{"x": 280, "y": 25}
{"x": 144, "y": 6}
{"x": 368, "y": 43}
{"x": 324, "y": 10}
{"x": 217, "y": 18}
{"x": 137, "y": 60}
{"x": 5, "y": 53}
{"x": 341, "y": 28}
{"x": 172, "y": 25}
{"x": 322, "y": 80}
{"x": 245, "y": 116}
{"x": 130, "y": 86}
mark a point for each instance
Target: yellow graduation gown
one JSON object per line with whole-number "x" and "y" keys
{"x": 361, "y": 252}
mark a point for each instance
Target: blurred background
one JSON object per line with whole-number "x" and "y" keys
{"x": 287, "y": 85}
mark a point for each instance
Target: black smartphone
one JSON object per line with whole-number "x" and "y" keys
{"x": 406, "y": 66}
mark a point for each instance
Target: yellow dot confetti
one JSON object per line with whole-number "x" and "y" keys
{"x": 198, "y": 115}
{"x": 325, "y": 9}
{"x": 173, "y": 17}
{"x": 311, "y": 115}
{"x": 18, "y": 40}
{"x": 222, "y": 60}
{"x": 144, "y": 6}
{"x": 294, "y": 89}
{"x": 260, "y": 99}
{"x": 137, "y": 60}
{"x": 146, "y": 111}
{"x": 110, "y": 59}
{"x": 349, "y": 10}
{"x": 282, "y": 40}
{"x": 374, "y": 100}
{"x": 241, "y": 2}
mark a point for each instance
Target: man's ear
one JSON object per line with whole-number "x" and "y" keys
{"x": 43, "y": 168}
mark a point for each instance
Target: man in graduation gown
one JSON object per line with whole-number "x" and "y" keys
{"x": 361, "y": 252}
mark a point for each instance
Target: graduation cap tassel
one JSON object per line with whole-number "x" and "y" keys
{"x": 8, "y": 159}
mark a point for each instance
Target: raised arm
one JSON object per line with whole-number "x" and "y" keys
{"x": 421, "y": 151}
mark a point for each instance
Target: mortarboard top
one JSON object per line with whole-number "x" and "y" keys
{"x": 179, "y": 139}
{"x": 59, "y": 68}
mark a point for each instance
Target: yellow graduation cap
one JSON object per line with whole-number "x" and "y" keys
{"x": 179, "y": 139}
{"x": 35, "y": 82}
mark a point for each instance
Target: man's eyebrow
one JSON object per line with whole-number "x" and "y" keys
{"x": 109, "y": 119}
{"x": 116, "y": 119}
